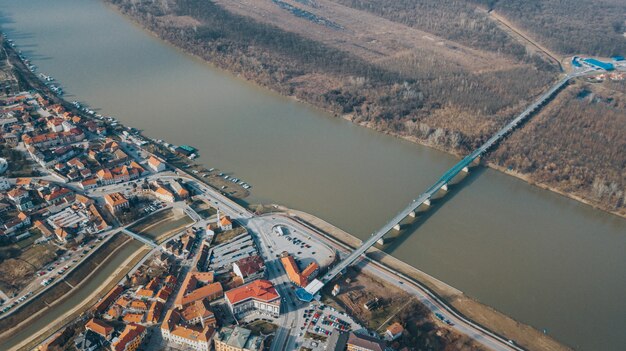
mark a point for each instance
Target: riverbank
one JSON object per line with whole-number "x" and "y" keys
{"x": 109, "y": 271}
{"x": 403, "y": 133}
{"x": 525, "y": 335}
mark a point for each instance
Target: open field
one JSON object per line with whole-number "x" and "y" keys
{"x": 21, "y": 262}
{"x": 228, "y": 235}
{"x": 203, "y": 209}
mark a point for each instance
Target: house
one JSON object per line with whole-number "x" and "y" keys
{"x": 259, "y": 296}
{"x": 89, "y": 183}
{"x": 43, "y": 228}
{"x": 17, "y": 194}
{"x": 199, "y": 312}
{"x": 130, "y": 339}
{"x": 144, "y": 293}
{"x": 116, "y": 202}
{"x": 190, "y": 292}
{"x": 154, "y": 312}
{"x": 163, "y": 194}
{"x": 293, "y": 272}
{"x": 192, "y": 337}
{"x": 394, "y": 331}
{"x": 88, "y": 341}
{"x": 105, "y": 176}
{"x": 163, "y": 294}
{"x": 234, "y": 338}
{"x": 108, "y": 299}
{"x": 359, "y": 342}
{"x": 133, "y": 317}
{"x": 155, "y": 164}
{"x": 99, "y": 327}
{"x": 139, "y": 305}
{"x": 249, "y": 268}
{"x": 180, "y": 190}
{"x": 224, "y": 222}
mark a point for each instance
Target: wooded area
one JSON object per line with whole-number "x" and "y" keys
{"x": 416, "y": 94}
{"x": 576, "y": 144}
{"x": 587, "y": 27}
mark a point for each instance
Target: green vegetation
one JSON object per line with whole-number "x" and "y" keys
{"x": 262, "y": 327}
{"x": 19, "y": 164}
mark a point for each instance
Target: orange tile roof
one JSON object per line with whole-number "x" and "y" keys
{"x": 194, "y": 334}
{"x": 115, "y": 199}
{"x": 152, "y": 284}
{"x": 145, "y": 293}
{"x": 130, "y": 333}
{"x": 155, "y": 312}
{"x": 198, "y": 309}
{"x": 261, "y": 289}
{"x": 164, "y": 293}
{"x": 109, "y": 298}
{"x": 293, "y": 272}
{"x": 154, "y": 162}
{"x": 139, "y": 305}
{"x": 395, "y": 329}
{"x": 310, "y": 269}
{"x": 114, "y": 312}
{"x": 225, "y": 221}
{"x": 123, "y": 301}
{"x": 99, "y": 327}
{"x": 133, "y": 317}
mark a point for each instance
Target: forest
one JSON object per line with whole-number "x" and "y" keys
{"x": 570, "y": 27}
{"x": 417, "y": 94}
{"x": 587, "y": 27}
{"x": 576, "y": 144}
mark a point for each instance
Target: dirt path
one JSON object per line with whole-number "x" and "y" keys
{"x": 525, "y": 37}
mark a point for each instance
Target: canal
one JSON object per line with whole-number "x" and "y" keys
{"x": 541, "y": 258}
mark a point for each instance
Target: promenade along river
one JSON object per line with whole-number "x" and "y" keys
{"x": 536, "y": 256}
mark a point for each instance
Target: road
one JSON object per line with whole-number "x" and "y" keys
{"x": 443, "y": 181}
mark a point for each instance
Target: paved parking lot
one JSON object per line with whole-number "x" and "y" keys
{"x": 320, "y": 322}
{"x": 305, "y": 250}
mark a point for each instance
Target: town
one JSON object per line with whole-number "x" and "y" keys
{"x": 195, "y": 269}
{"x": 202, "y": 272}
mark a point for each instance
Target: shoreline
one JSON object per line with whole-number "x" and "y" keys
{"x": 3, "y": 334}
{"x": 84, "y": 305}
{"x": 348, "y": 117}
{"x": 486, "y": 316}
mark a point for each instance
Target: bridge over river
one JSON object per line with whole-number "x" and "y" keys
{"x": 441, "y": 184}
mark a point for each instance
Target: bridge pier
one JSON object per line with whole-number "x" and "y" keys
{"x": 427, "y": 202}
{"x": 444, "y": 187}
{"x": 412, "y": 214}
{"x": 466, "y": 169}
{"x": 381, "y": 241}
{"x": 397, "y": 227}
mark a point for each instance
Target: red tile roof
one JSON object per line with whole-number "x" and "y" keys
{"x": 261, "y": 289}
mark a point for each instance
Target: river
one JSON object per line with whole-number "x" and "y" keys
{"x": 539, "y": 257}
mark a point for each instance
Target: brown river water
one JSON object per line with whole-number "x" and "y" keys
{"x": 541, "y": 258}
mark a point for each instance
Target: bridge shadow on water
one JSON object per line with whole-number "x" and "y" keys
{"x": 423, "y": 214}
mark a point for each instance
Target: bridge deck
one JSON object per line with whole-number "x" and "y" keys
{"x": 317, "y": 285}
